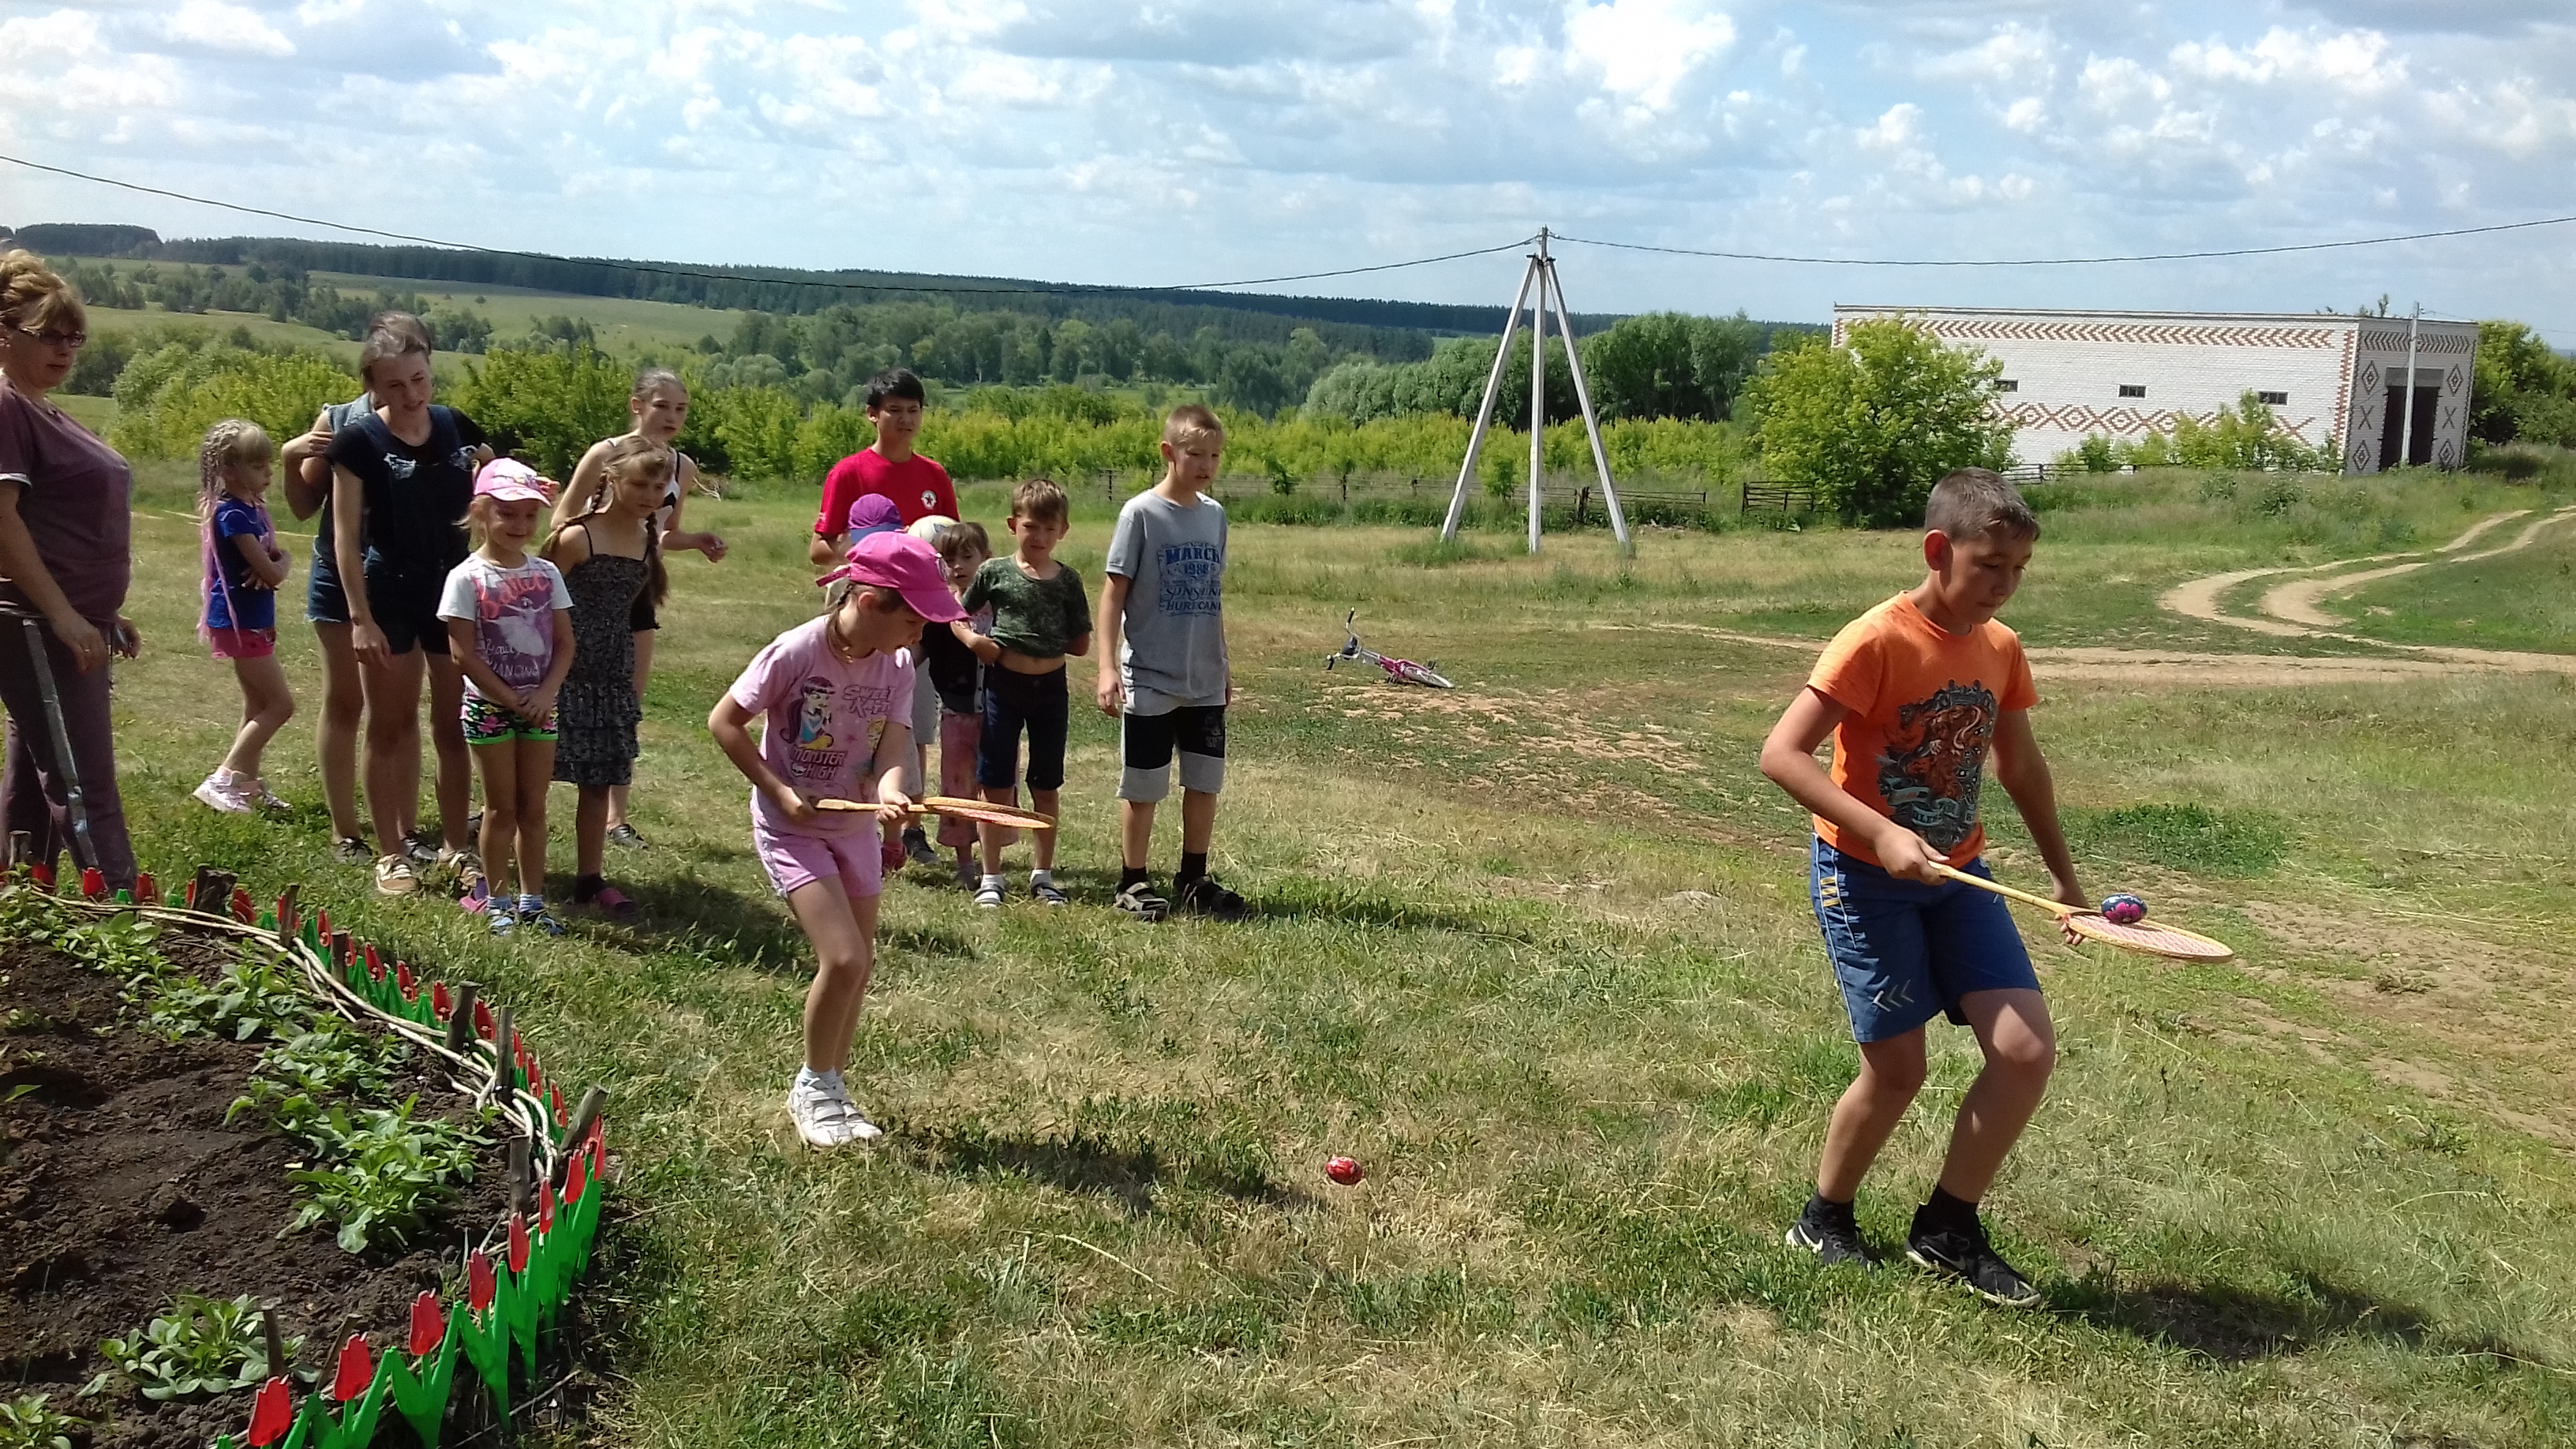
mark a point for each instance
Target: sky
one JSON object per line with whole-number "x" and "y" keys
{"x": 1194, "y": 141}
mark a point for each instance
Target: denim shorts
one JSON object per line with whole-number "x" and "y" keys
{"x": 1905, "y": 952}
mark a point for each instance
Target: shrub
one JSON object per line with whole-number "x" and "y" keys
{"x": 166, "y": 399}
{"x": 1875, "y": 422}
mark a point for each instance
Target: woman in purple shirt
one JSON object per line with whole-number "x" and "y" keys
{"x": 66, "y": 526}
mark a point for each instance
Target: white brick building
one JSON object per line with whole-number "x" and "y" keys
{"x": 2328, "y": 378}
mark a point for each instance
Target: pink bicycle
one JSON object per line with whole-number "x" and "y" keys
{"x": 1402, "y": 671}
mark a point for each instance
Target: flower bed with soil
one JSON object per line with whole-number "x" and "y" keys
{"x": 254, "y": 1190}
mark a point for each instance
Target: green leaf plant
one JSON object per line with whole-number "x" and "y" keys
{"x": 201, "y": 1346}
{"x": 382, "y": 1172}
{"x": 26, "y": 1423}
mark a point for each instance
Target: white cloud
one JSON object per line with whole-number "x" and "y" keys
{"x": 1645, "y": 49}
{"x": 219, "y": 26}
{"x": 1097, "y": 141}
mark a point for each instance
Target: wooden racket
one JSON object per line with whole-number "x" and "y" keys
{"x": 2171, "y": 942}
{"x": 959, "y": 807}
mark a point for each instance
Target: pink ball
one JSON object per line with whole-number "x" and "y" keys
{"x": 2124, "y": 910}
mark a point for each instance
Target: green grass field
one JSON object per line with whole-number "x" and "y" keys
{"x": 1538, "y": 953}
{"x": 624, "y": 325}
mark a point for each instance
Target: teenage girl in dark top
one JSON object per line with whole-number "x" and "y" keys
{"x": 401, "y": 477}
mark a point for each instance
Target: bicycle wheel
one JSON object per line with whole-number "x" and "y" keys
{"x": 1412, "y": 673}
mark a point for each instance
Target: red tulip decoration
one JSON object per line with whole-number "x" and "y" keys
{"x": 577, "y": 1176}
{"x": 428, "y": 1325}
{"x": 93, "y": 883}
{"x": 440, "y": 1003}
{"x": 147, "y": 891}
{"x": 355, "y": 1372}
{"x": 272, "y": 1413}
{"x": 518, "y": 1243}
{"x": 480, "y": 1283}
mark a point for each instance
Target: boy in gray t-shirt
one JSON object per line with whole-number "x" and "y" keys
{"x": 1163, "y": 669}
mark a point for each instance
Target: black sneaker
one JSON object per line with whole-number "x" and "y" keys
{"x": 1203, "y": 896}
{"x": 1963, "y": 1253}
{"x": 916, "y": 847}
{"x": 1832, "y": 1239}
{"x": 1139, "y": 900}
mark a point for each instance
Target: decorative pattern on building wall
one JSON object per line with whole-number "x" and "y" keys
{"x": 2169, "y": 335}
{"x": 2118, "y": 422}
{"x": 2426, "y": 343}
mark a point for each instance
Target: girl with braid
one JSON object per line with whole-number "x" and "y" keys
{"x": 659, "y": 405}
{"x": 611, "y": 559}
{"x": 243, "y": 569}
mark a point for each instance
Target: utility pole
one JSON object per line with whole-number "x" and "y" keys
{"x": 2406, "y": 428}
{"x": 1543, "y": 292}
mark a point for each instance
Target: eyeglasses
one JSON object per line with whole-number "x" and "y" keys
{"x": 54, "y": 339}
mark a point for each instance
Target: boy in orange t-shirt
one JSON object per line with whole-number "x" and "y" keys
{"x": 1914, "y": 693}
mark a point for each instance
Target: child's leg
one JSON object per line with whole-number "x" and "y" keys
{"x": 1199, "y": 739}
{"x": 267, "y": 704}
{"x": 1145, "y": 744}
{"x": 447, "y": 736}
{"x": 393, "y": 746}
{"x": 643, "y": 671}
{"x": 344, "y": 706}
{"x": 498, "y": 762}
{"x": 1050, "y": 718}
{"x": 591, "y": 816}
{"x": 1135, "y": 832}
{"x": 1198, "y": 821}
{"x": 1891, "y": 1072}
{"x": 997, "y": 763}
{"x": 842, "y": 929}
{"x": 536, "y": 771}
{"x": 2020, "y": 1044}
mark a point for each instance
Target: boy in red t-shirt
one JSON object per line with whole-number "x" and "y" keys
{"x": 917, "y": 486}
{"x": 1914, "y": 692}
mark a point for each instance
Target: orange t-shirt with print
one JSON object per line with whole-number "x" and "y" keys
{"x": 1924, "y": 703}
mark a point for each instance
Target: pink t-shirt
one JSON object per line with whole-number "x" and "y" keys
{"x": 823, "y": 721}
{"x": 918, "y": 487}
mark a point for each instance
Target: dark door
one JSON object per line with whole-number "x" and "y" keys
{"x": 2392, "y": 434}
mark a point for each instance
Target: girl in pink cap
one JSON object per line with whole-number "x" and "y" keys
{"x": 509, "y": 624}
{"x": 834, "y": 696}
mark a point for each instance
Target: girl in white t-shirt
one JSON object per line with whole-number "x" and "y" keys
{"x": 509, "y": 627}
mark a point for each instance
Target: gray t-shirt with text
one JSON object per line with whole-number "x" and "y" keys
{"x": 1174, "y": 559}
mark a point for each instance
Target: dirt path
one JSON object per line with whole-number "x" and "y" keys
{"x": 2199, "y": 598}
{"x": 2301, "y": 602}
{"x": 2294, "y": 610}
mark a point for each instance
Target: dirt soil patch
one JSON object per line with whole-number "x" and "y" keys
{"x": 121, "y": 1187}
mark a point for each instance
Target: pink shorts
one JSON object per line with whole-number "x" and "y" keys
{"x": 242, "y": 643}
{"x": 797, "y": 861}
{"x": 958, "y": 734}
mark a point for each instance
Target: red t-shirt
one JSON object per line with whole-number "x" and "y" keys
{"x": 1924, "y": 703}
{"x": 918, "y": 486}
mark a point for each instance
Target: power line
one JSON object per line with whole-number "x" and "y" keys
{"x": 2374, "y": 241}
{"x": 705, "y": 274}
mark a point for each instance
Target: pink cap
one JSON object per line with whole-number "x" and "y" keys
{"x": 873, "y": 513}
{"x": 905, "y": 564}
{"x": 507, "y": 480}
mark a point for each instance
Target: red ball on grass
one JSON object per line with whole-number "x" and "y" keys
{"x": 1344, "y": 1170}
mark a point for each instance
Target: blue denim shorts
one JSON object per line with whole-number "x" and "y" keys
{"x": 1905, "y": 952}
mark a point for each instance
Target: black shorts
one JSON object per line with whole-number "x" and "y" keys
{"x": 1011, "y": 700}
{"x": 1146, "y": 743}
{"x": 406, "y": 609}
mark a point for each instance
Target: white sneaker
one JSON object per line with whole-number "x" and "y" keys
{"x": 220, "y": 791}
{"x": 824, "y": 1116}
